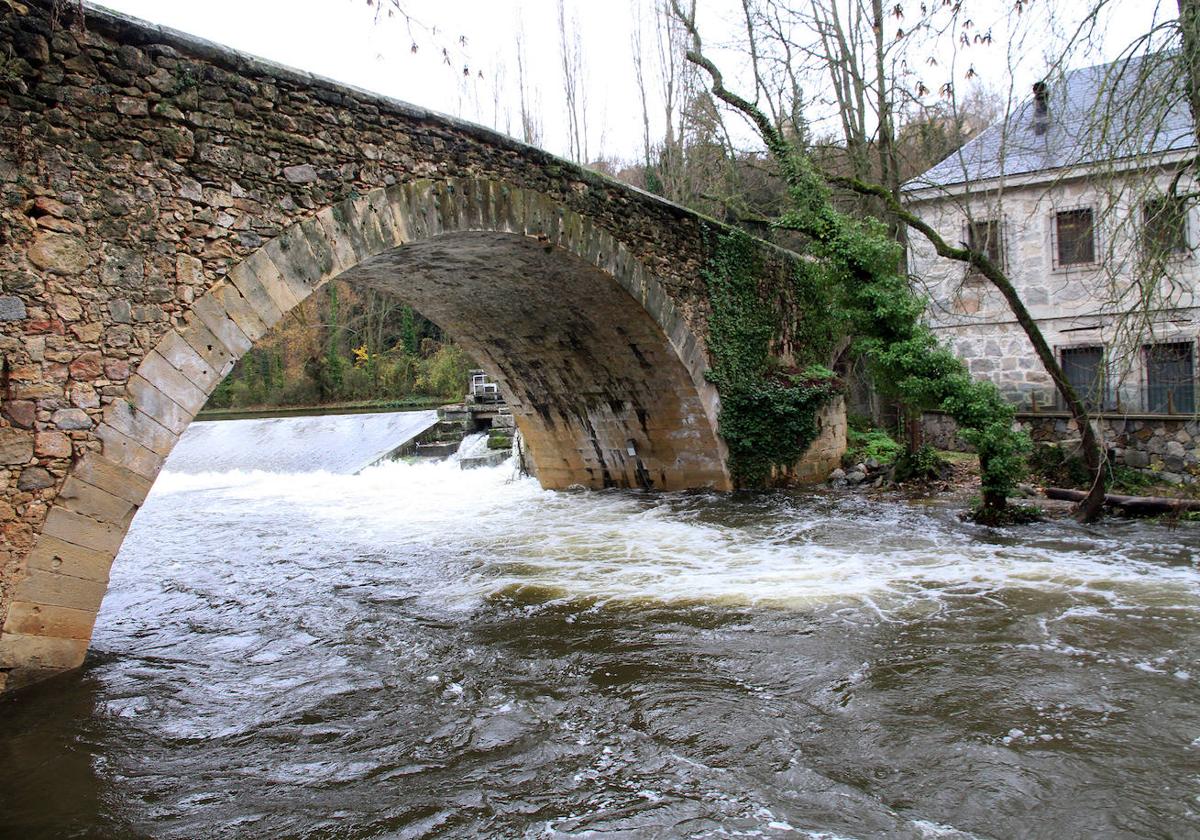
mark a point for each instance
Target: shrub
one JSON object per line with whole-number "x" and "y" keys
{"x": 445, "y": 373}
{"x": 870, "y": 444}
{"x": 923, "y": 465}
{"x": 1051, "y": 464}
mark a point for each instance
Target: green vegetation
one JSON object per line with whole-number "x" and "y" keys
{"x": 924, "y": 464}
{"x": 768, "y": 405}
{"x": 346, "y": 346}
{"x": 1054, "y": 466}
{"x": 851, "y": 284}
{"x": 499, "y": 439}
{"x": 884, "y": 315}
{"x": 1129, "y": 481}
{"x": 866, "y": 443}
{"x": 1010, "y": 515}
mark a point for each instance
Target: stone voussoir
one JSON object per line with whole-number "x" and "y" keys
{"x": 209, "y": 311}
{"x": 61, "y": 591}
{"x": 84, "y": 531}
{"x": 152, "y": 401}
{"x": 171, "y": 381}
{"x": 239, "y": 309}
{"x": 187, "y": 360}
{"x": 36, "y": 653}
{"x": 112, "y": 478}
{"x": 135, "y": 424}
{"x": 256, "y": 294}
{"x": 118, "y": 447}
{"x": 57, "y": 556}
{"x": 49, "y": 620}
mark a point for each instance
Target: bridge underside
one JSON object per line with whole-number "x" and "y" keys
{"x": 597, "y": 390}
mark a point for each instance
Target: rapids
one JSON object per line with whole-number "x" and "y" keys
{"x": 423, "y": 651}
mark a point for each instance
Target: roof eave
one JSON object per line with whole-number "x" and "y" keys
{"x": 928, "y": 192}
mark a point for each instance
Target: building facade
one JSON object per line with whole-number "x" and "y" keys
{"x": 1082, "y": 197}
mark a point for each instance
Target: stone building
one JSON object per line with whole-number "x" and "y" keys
{"x": 1072, "y": 195}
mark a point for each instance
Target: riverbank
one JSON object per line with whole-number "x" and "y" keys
{"x": 958, "y": 487}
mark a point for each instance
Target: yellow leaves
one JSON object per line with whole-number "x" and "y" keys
{"x": 361, "y": 356}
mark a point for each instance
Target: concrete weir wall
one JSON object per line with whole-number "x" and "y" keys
{"x": 166, "y": 201}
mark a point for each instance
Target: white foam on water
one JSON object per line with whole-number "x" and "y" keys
{"x": 472, "y": 446}
{"x": 894, "y": 559}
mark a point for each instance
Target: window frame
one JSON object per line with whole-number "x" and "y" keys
{"x": 1147, "y": 349}
{"x": 1001, "y": 244}
{"x": 1184, "y": 229}
{"x": 1106, "y": 401}
{"x": 1056, "y": 239}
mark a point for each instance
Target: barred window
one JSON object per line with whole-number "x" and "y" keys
{"x": 1170, "y": 378}
{"x": 1084, "y": 367}
{"x": 1165, "y": 229}
{"x": 985, "y": 237}
{"x": 1076, "y": 237}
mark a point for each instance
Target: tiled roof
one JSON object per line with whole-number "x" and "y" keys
{"x": 1107, "y": 112}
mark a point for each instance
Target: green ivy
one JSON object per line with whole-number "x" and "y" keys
{"x": 885, "y": 315}
{"x": 849, "y": 283}
{"x": 867, "y": 444}
{"x": 768, "y": 411}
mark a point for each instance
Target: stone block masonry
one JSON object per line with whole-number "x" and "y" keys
{"x": 1164, "y": 448}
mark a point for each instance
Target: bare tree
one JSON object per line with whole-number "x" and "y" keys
{"x": 640, "y": 77}
{"x": 529, "y": 101}
{"x": 795, "y": 168}
{"x": 574, "y": 85}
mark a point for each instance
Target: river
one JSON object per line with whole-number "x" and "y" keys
{"x": 423, "y": 651}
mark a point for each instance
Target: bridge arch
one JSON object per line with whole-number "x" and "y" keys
{"x": 605, "y": 378}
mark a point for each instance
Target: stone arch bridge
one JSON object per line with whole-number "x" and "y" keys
{"x": 167, "y": 200}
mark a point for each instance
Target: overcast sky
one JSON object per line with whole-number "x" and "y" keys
{"x": 343, "y": 39}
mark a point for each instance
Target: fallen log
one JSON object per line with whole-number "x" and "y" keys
{"x": 1132, "y": 505}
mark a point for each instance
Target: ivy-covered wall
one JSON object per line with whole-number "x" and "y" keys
{"x": 771, "y": 333}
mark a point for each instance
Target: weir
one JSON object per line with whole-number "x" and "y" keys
{"x": 348, "y": 443}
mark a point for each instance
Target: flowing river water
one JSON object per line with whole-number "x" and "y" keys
{"x": 422, "y": 651}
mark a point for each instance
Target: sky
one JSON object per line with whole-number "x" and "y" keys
{"x": 353, "y": 42}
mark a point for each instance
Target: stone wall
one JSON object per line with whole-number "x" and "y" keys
{"x": 1166, "y": 448}
{"x": 824, "y": 454}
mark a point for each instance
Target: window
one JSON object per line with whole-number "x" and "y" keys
{"x": 1076, "y": 237}
{"x": 1170, "y": 378}
{"x": 1165, "y": 229}
{"x": 986, "y": 238}
{"x": 1084, "y": 367}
